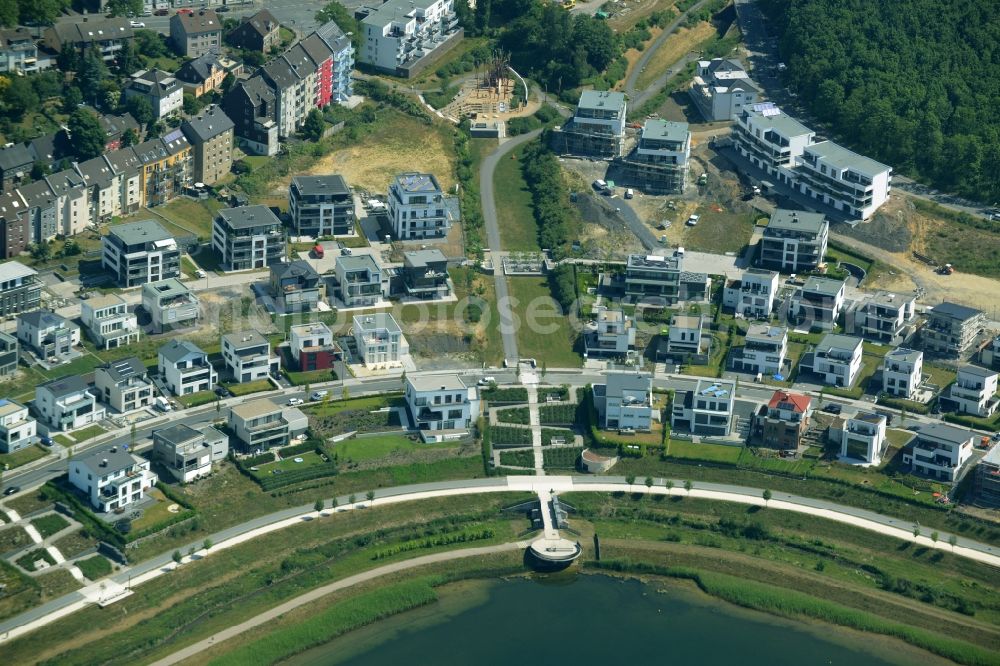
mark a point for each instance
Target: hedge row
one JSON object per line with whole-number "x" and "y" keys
{"x": 262, "y": 459}
{"x": 295, "y": 449}
{"x": 442, "y": 540}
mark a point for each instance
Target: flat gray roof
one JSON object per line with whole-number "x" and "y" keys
{"x": 437, "y": 383}
{"x": 243, "y": 339}
{"x": 842, "y": 158}
{"x": 955, "y": 311}
{"x": 246, "y": 217}
{"x": 144, "y": 231}
{"x": 796, "y": 220}
{"x": 780, "y": 122}
{"x": 358, "y": 262}
{"x": 665, "y": 130}
{"x": 837, "y": 341}
{"x": 599, "y": 100}
{"x": 395, "y": 10}
{"x": 976, "y": 371}
{"x": 822, "y": 285}
{"x": 333, "y": 184}
{"x": 371, "y": 322}
{"x": 118, "y": 459}
{"x": 417, "y": 182}
{"x": 945, "y": 432}
{"x": 420, "y": 258}
{"x": 904, "y": 354}
{"x": 619, "y": 382}
{"x": 168, "y": 287}
{"x": 11, "y": 270}
{"x": 766, "y": 332}
{"x": 249, "y": 410}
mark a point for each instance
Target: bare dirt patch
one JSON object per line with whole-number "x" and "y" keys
{"x": 676, "y": 46}
{"x": 889, "y": 229}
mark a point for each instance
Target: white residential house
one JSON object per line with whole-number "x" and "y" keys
{"x": 17, "y": 429}
{"x": 752, "y": 296}
{"x": 360, "y": 280}
{"x": 939, "y": 451}
{"x": 441, "y": 406}
{"x": 248, "y": 357}
{"x": 248, "y": 237}
{"x": 883, "y": 317}
{"x": 47, "y": 334}
{"x": 861, "y": 437}
{"x": 417, "y": 207}
{"x": 109, "y": 322}
{"x": 794, "y": 241}
{"x": 597, "y": 129}
{"x": 837, "y": 359}
{"x": 67, "y": 403}
{"x": 611, "y": 334}
{"x": 379, "y": 340}
{"x": 258, "y": 425}
{"x": 123, "y": 384}
{"x": 902, "y": 371}
{"x": 769, "y": 138}
{"x": 188, "y": 453}
{"x": 707, "y": 410}
{"x": 721, "y": 89}
{"x": 684, "y": 335}
{"x": 397, "y": 35}
{"x": 817, "y": 304}
{"x": 170, "y": 303}
{"x": 185, "y": 369}
{"x": 625, "y": 402}
{"x": 111, "y": 478}
{"x": 162, "y": 90}
{"x": 763, "y": 351}
{"x": 974, "y": 392}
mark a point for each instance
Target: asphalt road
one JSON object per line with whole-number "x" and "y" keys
{"x": 508, "y": 330}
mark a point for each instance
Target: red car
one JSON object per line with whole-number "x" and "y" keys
{"x": 185, "y": 11}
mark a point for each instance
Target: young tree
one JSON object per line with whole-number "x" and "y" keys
{"x": 670, "y": 486}
{"x": 767, "y": 496}
{"x": 345, "y": 393}
{"x": 192, "y": 104}
{"x": 630, "y": 479}
{"x": 88, "y": 137}
{"x": 351, "y": 499}
{"x": 207, "y": 544}
{"x": 916, "y": 531}
{"x": 952, "y": 541}
{"x": 40, "y": 252}
{"x": 371, "y": 497}
{"x": 318, "y": 506}
{"x": 177, "y": 556}
{"x": 649, "y": 483}
{"x": 688, "y": 485}
{"x": 333, "y": 502}
{"x": 935, "y": 536}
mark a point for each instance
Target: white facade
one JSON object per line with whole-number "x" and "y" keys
{"x": 707, "y": 410}
{"x": 109, "y": 322}
{"x": 861, "y": 438}
{"x": 417, "y": 207}
{"x": 721, "y": 89}
{"x": 612, "y": 334}
{"x": 169, "y": 303}
{"x": 974, "y": 391}
{"x": 185, "y": 368}
{"x": 305, "y": 336}
{"x": 902, "y": 370}
{"x": 939, "y": 451}
{"x": 17, "y": 429}
{"x": 188, "y": 453}
{"x": 123, "y": 385}
{"x": 625, "y": 402}
{"x": 379, "y": 340}
{"x": 248, "y": 356}
{"x": 401, "y": 32}
{"x": 752, "y": 296}
{"x": 833, "y": 175}
{"x": 47, "y": 334}
{"x": 112, "y": 479}
{"x": 259, "y": 425}
{"x": 441, "y": 406}
{"x": 818, "y": 303}
{"x": 67, "y": 403}
{"x": 837, "y": 359}
{"x": 163, "y": 92}
{"x": 884, "y": 317}
{"x": 769, "y": 138}
{"x": 763, "y": 351}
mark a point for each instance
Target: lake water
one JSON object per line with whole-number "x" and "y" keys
{"x": 598, "y": 620}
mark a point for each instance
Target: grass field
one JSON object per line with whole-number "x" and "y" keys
{"x": 88, "y": 433}
{"x": 195, "y": 216}
{"x": 195, "y": 399}
{"x": 676, "y": 46}
{"x": 95, "y": 567}
{"x": 372, "y": 448}
{"x": 13, "y": 538}
{"x": 679, "y": 448}
{"x": 308, "y": 459}
{"x": 518, "y": 229}
{"x": 719, "y": 232}
{"x": 154, "y": 514}
{"x": 49, "y": 524}
{"x": 75, "y": 543}
{"x": 22, "y": 457}
{"x": 543, "y": 333}
{"x": 246, "y": 388}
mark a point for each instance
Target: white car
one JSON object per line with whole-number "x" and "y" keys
{"x": 295, "y": 401}
{"x": 319, "y": 395}
{"x": 137, "y": 24}
{"x": 693, "y": 220}
{"x": 486, "y": 381}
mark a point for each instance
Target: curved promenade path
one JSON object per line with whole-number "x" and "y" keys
{"x": 118, "y": 585}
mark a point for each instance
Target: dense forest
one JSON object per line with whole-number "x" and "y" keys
{"x": 912, "y": 83}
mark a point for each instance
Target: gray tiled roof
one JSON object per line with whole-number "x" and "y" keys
{"x": 175, "y": 350}
{"x": 212, "y": 122}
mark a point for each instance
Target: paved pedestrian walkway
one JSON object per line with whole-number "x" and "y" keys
{"x": 534, "y": 421}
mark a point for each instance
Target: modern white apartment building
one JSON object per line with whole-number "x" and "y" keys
{"x": 768, "y": 138}
{"x": 123, "y": 385}
{"x": 611, "y": 333}
{"x": 360, "y": 281}
{"x": 188, "y": 453}
{"x": 140, "y": 252}
{"x": 882, "y": 317}
{"x": 763, "y": 350}
{"x": 109, "y": 322}
{"x": 397, "y": 36}
{"x": 721, "y": 89}
{"x": 321, "y": 206}
{"x": 625, "y": 402}
{"x": 442, "y": 407}
{"x": 247, "y": 356}
{"x": 379, "y": 340}
{"x": 111, "y": 478}
{"x": 833, "y": 175}
{"x": 794, "y": 241}
{"x": 170, "y": 304}
{"x": 752, "y": 296}
{"x": 659, "y": 162}
{"x": 247, "y": 237}
{"x": 939, "y": 451}
{"x": 185, "y": 369}
{"x": 974, "y": 392}
{"x": 67, "y": 403}
{"x": 684, "y": 335}
{"x": 837, "y": 359}
{"x": 258, "y": 425}
{"x": 707, "y": 410}
{"x": 417, "y": 207}
{"x": 817, "y": 304}
{"x": 47, "y": 335}
{"x": 861, "y": 437}
{"x": 17, "y": 429}
{"x": 902, "y": 371}
{"x": 597, "y": 129}
{"x": 663, "y": 280}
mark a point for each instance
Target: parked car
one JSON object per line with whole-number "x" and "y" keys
{"x": 10, "y": 490}
{"x": 295, "y": 401}
{"x": 629, "y": 193}
{"x": 833, "y": 408}
{"x": 46, "y": 441}
{"x": 137, "y": 24}
{"x": 486, "y": 381}
{"x": 319, "y": 395}
{"x": 222, "y": 391}
{"x": 221, "y": 10}
{"x": 693, "y": 220}
{"x": 161, "y": 12}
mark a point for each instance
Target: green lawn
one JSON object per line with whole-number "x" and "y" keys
{"x": 372, "y": 448}
{"x": 78, "y": 366}
{"x": 246, "y": 388}
{"x": 939, "y": 375}
{"x": 195, "y": 399}
{"x": 88, "y": 433}
{"x": 518, "y": 229}
{"x": 310, "y": 377}
{"x": 195, "y": 217}
{"x": 22, "y": 457}
{"x": 156, "y": 513}
{"x": 543, "y": 333}
{"x": 334, "y": 406}
{"x": 309, "y": 459}
{"x": 95, "y": 567}
{"x": 49, "y": 524}
{"x": 719, "y": 232}
{"x": 679, "y": 448}
{"x": 187, "y": 266}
